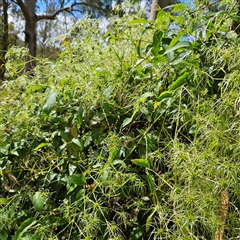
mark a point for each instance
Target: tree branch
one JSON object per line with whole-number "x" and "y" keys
{"x": 63, "y": 9}
{"x": 24, "y": 10}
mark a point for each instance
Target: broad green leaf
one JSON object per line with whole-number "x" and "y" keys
{"x": 78, "y": 142}
{"x": 179, "y": 45}
{"x": 162, "y": 15}
{"x": 126, "y": 121}
{"x": 4, "y": 201}
{"x": 164, "y": 95}
{"x": 179, "y": 82}
{"x": 139, "y": 20}
{"x": 24, "y": 227}
{"x": 157, "y": 37}
{"x": 141, "y": 162}
{"x": 38, "y": 201}
{"x": 77, "y": 179}
{"x": 48, "y": 106}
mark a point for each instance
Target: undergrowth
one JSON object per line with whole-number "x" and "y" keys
{"x": 131, "y": 134}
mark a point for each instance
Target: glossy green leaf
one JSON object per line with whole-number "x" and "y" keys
{"x": 24, "y": 227}
{"x": 179, "y": 82}
{"x": 77, "y": 179}
{"x": 157, "y": 37}
{"x": 48, "y": 106}
{"x": 126, "y": 121}
{"x": 38, "y": 201}
{"x": 78, "y": 142}
{"x": 164, "y": 95}
{"x": 141, "y": 162}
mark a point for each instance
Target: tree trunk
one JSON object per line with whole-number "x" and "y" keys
{"x": 156, "y": 6}
{"x": 4, "y": 39}
{"x": 30, "y": 33}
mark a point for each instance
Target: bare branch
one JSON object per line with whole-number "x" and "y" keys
{"x": 63, "y": 9}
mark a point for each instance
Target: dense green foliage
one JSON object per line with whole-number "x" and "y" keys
{"x": 133, "y": 134}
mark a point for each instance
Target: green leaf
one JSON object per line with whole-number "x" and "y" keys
{"x": 164, "y": 95}
{"x": 77, "y": 179}
{"x": 104, "y": 176}
{"x": 141, "y": 162}
{"x": 179, "y": 82}
{"x": 163, "y": 20}
{"x": 151, "y": 182}
{"x": 149, "y": 220}
{"x": 78, "y": 142}
{"x": 157, "y": 37}
{"x": 48, "y": 106}
{"x": 179, "y": 45}
{"x": 4, "y": 201}
{"x": 126, "y": 121}
{"x": 14, "y": 152}
{"x": 136, "y": 21}
{"x": 232, "y": 35}
{"x": 41, "y": 145}
{"x": 121, "y": 162}
{"x": 38, "y": 201}
{"x": 180, "y": 57}
{"x": 24, "y": 227}
{"x": 148, "y": 223}
{"x": 177, "y": 7}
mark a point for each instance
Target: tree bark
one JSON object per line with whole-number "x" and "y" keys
{"x": 4, "y": 39}
{"x": 28, "y": 9}
{"x": 156, "y": 6}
